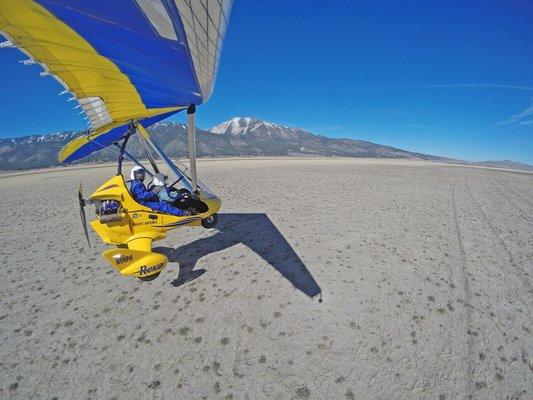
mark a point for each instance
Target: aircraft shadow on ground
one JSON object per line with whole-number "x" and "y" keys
{"x": 255, "y": 231}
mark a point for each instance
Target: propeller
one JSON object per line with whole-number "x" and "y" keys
{"x": 83, "y": 203}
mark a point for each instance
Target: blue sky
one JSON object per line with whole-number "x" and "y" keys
{"x": 450, "y": 78}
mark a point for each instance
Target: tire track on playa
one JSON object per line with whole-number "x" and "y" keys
{"x": 522, "y": 213}
{"x": 499, "y": 243}
{"x": 462, "y": 341}
{"x": 515, "y": 192}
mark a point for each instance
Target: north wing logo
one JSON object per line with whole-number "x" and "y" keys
{"x": 120, "y": 259}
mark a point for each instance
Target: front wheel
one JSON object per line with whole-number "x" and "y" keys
{"x": 210, "y": 222}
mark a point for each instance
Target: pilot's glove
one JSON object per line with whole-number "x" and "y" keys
{"x": 184, "y": 194}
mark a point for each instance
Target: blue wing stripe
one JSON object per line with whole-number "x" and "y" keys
{"x": 108, "y": 138}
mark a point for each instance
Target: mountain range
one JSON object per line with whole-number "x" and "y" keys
{"x": 239, "y": 136}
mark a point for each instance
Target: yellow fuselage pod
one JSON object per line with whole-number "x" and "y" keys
{"x": 136, "y": 227}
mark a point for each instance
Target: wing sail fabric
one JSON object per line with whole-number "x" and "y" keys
{"x": 205, "y": 23}
{"x": 122, "y": 60}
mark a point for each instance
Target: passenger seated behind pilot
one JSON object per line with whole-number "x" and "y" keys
{"x": 150, "y": 198}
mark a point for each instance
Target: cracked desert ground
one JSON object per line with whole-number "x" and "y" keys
{"x": 424, "y": 271}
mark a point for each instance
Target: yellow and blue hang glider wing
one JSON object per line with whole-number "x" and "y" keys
{"x": 122, "y": 60}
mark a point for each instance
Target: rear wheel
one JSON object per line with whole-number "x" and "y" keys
{"x": 210, "y": 222}
{"x": 149, "y": 278}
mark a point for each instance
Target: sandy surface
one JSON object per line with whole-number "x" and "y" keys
{"x": 424, "y": 271}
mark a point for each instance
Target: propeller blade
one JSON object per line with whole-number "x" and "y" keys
{"x": 80, "y": 196}
{"x": 82, "y": 214}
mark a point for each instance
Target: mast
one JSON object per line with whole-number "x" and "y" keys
{"x": 191, "y": 136}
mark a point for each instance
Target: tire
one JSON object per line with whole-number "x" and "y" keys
{"x": 210, "y": 222}
{"x": 149, "y": 278}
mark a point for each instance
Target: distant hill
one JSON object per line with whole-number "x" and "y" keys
{"x": 239, "y": 136}
{"x": 507, "y": 164}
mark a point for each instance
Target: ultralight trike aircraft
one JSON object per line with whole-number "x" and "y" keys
{"x": 127, "y": 64}
{"x": 131, "y": 226}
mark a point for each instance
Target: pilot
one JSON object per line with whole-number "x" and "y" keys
{"x": 150, "y": 198}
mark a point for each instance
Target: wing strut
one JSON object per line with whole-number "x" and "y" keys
{"x": 143, "y": 139}
{"x": 191, "y": 136}
{"x": 164, "y": 157}
{"x": 132, "y": 159}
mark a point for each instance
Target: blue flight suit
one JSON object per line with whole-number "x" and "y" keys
{"x": 150, "y": 199}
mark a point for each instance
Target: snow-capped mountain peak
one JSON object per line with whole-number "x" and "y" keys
{"x": 235, "y": 126}
{"x": 244, "y": 126}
